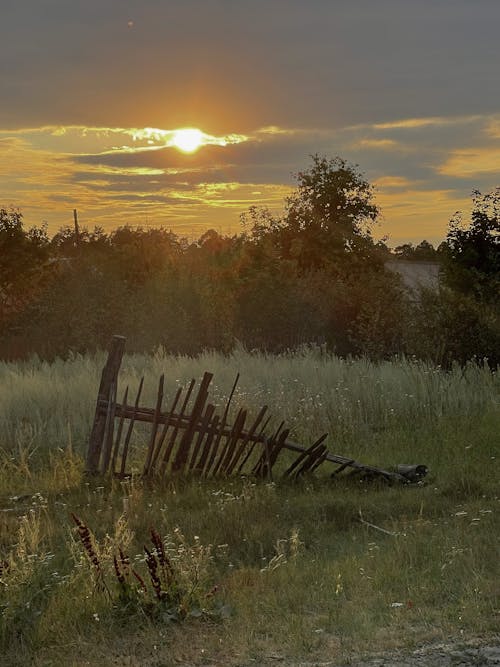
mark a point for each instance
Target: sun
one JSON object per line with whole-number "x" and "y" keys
{"x": 187, "y": 139}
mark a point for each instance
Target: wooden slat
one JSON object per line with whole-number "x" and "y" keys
{"x": 304, "y": 454}
{"x": 108, "y": 376}
{"x": 187, "y": 438}
{"x": 232, "y": 441}
{"x": 202, "y": 466}
{"x": 264, "y": 465}
{"x": 166, "y": 425}
{"x": 131, "y": 428}
{"x": 170, "y": 446}
{"x": 245, "y": 439}
{"x": 109, "y": 429}
{"x": 118, "y": 438}
{"x": 221, "y": 430}
{"x": 310, "y": 460}
{"x": 154, "y": 429}
{"x": 202, "y": 435}
{"x": 342, "y": 467}
{"x": 260, "y": 438}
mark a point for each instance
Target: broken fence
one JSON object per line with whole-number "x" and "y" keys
{"x": 191, "y": 436}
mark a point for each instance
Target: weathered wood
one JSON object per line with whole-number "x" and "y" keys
{"x": 166, "y": 425}
{"x": 187, "y": 438}
{"x": 232, "y": 441}
{"x": 116, "y": 448}
{"x": 304, "y": 453}
{"x": 131, "y": 427}
{"x": 221, "y": 431}
{"x": 265, "y": 463}
{"x": 109, "y": 429}
{"x": 170, "y": 446}
{"x": 202, "y": 466}
{"x": 196, "y": 436}
{"x": 154, "y": 430}
{"x": 261, "y": 437}
{"x": 108, "y": 376}
{"x": 245, "y": 439}
{"x": 203, "y": 433}
{"x": 311, "y": 461}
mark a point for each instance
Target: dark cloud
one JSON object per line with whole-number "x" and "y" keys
{"x": 227, "y": 66}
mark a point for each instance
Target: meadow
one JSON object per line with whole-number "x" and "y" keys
{"x": 265, "y": 571}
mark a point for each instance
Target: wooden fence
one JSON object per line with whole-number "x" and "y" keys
{"x": 189, "y": 435}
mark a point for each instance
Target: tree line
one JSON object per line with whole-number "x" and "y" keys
{"x": 312, "y": 275}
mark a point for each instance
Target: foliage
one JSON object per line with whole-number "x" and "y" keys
{"x": 23, "y": 259}
{"x": 473, "y": 252}
{"x": 327, "y": 218}
{"x": 431, "y": 572}
{"x": 422, "y": 252}
{"x": 449, "y": 326}
{"x": 172, "y": 584}
{"x": 312, "y": 275}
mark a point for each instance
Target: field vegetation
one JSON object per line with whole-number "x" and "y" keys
{"x": 106, "y": 571}
{"x": 261, "y": 571}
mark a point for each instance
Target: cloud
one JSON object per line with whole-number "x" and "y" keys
{"x": 379, "y": 144}
{"x": 472, "y": 162}
{"x": 423, "y": 170}
{"x": 434, "y": 121}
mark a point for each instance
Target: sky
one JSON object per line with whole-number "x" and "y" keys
{"x": 92, "y": 93}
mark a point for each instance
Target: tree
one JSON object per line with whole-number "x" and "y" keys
{"x": 23, "y": 256}
{"x": 472, "y": 253}
{"x": 327, "y": 218}
{"x": 423, "y": 252}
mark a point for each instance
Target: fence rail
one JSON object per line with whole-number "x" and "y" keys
{"x": 190, "y": 436}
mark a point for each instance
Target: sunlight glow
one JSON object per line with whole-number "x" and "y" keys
{"x": 188, "y": 139}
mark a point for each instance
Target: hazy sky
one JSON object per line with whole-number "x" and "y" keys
{"x": 408, "y": 90}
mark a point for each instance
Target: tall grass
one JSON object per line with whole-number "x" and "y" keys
{"x": 315, "y": 570}
{"x": 46, "y": 405}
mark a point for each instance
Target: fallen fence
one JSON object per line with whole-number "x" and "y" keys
{"x": 190, "y": 436}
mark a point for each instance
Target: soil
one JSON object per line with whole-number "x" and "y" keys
{"x": 459, "y": 654}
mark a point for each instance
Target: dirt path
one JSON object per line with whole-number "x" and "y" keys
{"x": 465, "y": 654}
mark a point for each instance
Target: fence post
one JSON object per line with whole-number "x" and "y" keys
{"x": 108, "y": 377}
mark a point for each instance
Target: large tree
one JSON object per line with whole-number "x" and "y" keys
{"x": 327, "y": 219}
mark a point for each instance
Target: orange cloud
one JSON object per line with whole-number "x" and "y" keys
{"x": 472, "y": 162}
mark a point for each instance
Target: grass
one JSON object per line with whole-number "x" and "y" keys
{"x": 299, "y": 573}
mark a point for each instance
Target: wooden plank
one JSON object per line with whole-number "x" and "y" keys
{"x": 131, "y": 428}
{"x": 304, "y": 454}
{"x": 201, "y": 466}
{"x": 166, "y": 425}
{"x": 260, "y": 438}
{"x": 154, "y": 429}
{"x": 232, "y": 441}
{"x": 342, "y": 467}
{"x": 245, "y": 439}
{"x": 203, "y": 433}
{"x": 221, "y": 431}
{"x": 263, "y": 466}
{"x": 109, "y": 430}
{"x": 310, "y": 460}
{"x": 108, "y": 376}
{"x": 187, "y": 438}
{"x": 177, "y": 424}
{"x": 118, "y": 438}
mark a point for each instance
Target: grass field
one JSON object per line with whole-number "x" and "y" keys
{"x": 264, "y": 571}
